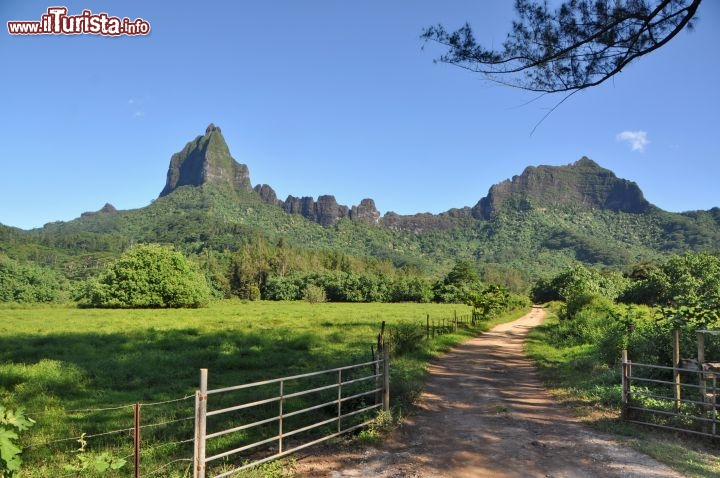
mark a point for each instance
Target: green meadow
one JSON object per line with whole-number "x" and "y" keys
{"x": 79, "y": 371}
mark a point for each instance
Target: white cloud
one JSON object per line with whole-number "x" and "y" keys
{"x": 135, "y": 105}
{"x": 637, "y": 139}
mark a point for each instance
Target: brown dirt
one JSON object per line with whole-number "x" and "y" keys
{"x": 485, "y": 413}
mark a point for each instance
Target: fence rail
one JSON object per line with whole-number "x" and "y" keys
{"x": 351, "y": 387}
{"x": 175, "y": 424}
{"x": 670, "y": 398}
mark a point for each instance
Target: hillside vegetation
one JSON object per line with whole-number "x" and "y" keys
{"x": 527, "y": 228}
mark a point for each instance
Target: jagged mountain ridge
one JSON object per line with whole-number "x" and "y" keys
{"x": 525, "y": 227}
{"x": 582, "y": 183}
{"x": 207, "y": 160}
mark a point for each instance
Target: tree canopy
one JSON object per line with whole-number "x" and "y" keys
{"x": 580, "y": 44}
{"x": 28, "y": 283}
{"x": 149, "y": 276}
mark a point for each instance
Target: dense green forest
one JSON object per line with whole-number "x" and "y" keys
{"x": 250, "y": 249}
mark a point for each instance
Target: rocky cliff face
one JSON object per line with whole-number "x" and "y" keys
{"x": 267, "y": 194}
{"x": 327, "y": 212}
{"x": 583, "y": 183}
{"x": 206, "y": 160}
{"x": 106, "y": 209}
{"x": 365, "y": 211}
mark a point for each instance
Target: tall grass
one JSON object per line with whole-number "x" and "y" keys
{"x": 62, "y": 364}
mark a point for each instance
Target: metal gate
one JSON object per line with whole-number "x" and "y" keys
{"x": 334, "y": 401}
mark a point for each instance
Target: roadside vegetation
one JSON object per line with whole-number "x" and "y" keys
{"x": 595, "y": 314}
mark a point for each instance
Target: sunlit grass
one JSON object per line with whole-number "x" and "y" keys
{"x": 60, "y": 358}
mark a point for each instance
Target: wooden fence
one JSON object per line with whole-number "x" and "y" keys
{"x": 338, "y": 398}
{"x": 442, "y": 326}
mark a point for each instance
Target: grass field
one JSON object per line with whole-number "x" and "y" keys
{"x": 79, "y": 371}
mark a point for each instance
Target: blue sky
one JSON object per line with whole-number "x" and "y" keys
{"x": 330, "y": 97}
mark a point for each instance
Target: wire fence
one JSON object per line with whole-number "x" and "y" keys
{"x": 157, "y": 441}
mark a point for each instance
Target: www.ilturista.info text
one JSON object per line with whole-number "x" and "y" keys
{"x": 57, "y": 22}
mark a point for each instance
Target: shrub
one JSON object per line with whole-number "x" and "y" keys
{"x": 149, "y": 276}
{"x": 406, "y": 338}
{"x": 314, "y": 294}
{"x": 410, "y": 289}
{"x": 282, "y": 288}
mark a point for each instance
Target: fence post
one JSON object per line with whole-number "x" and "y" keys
{"x": 378, "y": 377}
{"x": 455, "y": 324}
{"x": 701, "y": 360}
{"x": 280, "y": 417}
{"x": 386, "y": 377}
{"x": 339, "y": 400}
{"x": 381, "y": 346}
{"x": 200, "y": 425}
{"x": 676, "y": 370}
{"x": 427, "y": 326}
{"x": 136, "y": 438}
{"x": 625, "y": 384}
{"x": 714, "y": 409}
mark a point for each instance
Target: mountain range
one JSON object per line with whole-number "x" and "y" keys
{"x": 525, "y": 227}
{"x": 206, "y": 160}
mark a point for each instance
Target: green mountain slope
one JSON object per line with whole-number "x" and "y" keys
{"x": 530, "y": 226}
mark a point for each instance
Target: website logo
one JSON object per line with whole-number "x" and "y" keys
{"x": 57, "y": 22}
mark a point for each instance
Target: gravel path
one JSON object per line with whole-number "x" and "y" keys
{"x": 485, "y": 413}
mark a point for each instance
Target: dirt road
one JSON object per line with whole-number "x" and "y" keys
{"x": 484, "y": 413}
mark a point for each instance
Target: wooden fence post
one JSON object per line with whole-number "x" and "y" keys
{"x": 701, "y": 360}
{"x": 200, "y": 425}
{"x": 427, "y": 326}
{"x": 625, "y": 384}
{"x": 676, "y": 370}
{"x": 381, "y": 337}
{"x": 378, "y": 377}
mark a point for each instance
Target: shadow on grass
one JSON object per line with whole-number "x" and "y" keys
{"x": 53, "y": 375}
{"x": 155, "y": 364}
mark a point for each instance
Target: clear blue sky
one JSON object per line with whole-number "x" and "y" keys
{"x": 329, "y": 97}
